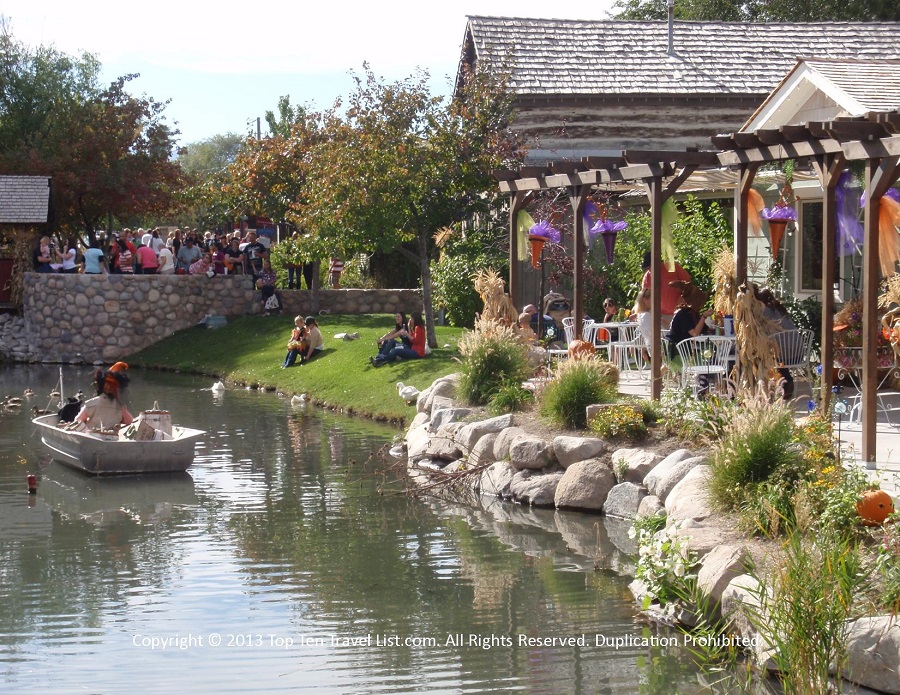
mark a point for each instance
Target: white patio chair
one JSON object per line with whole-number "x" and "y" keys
{"x": 627, "y": 348}
{"x": 793, "y": 351}
{"x": 589, "y": 335}
{"x": 705, "y": 356}
{"x": 569, "y": 328}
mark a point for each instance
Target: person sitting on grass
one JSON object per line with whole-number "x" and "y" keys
{"x": 315, "y": 344}
{"x": 416, "y": 332}
{"x": 297, "y": 344}
{"x": 389, "y": 340}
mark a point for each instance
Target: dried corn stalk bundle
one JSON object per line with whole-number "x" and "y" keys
{"x": 724, "y": 273}
{"x": 497, "y": 304}
{"x": 755, "y": 345}
{"x": 890, "y": 300}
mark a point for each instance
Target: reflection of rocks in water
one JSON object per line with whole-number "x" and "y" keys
{"x": 618, "y": 535}
{"x": 531, "y": 487}
{"x": 589, "y": 536}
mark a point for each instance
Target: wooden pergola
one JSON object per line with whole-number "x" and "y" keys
{"x": 828, "y": 146}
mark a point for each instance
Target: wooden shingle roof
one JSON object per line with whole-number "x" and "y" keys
{"x": 24, "y": 199}
{"x": 572, "y": 57}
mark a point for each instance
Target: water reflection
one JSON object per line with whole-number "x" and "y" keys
{"x": 284, "y": 541}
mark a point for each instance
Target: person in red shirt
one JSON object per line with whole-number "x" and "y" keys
{"x": 416, "y": 334}
{"x": 147, "y": 260}
{"x": 670, "y": 296}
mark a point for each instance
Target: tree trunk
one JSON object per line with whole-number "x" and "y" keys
{"x": 427, "y": 304}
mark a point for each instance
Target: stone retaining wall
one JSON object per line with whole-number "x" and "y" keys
{"x": 352, "y": 301}
{"x": 99, "y": 318}
{"x": 90, "y": 318}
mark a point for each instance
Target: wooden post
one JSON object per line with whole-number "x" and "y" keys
{"x": 746, "y": 174}
{"x": 880, "y": 174}
{"x": 516, "y": 203}
{"x": 655, "y": 194}
{"x": 577, "y": 199}
{"x": 828, "y": 168}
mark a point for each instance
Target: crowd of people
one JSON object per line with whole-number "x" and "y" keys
{"x": 153, "y": 252}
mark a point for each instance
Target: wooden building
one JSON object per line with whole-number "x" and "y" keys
{"x": 24, "y": 203}
{"x": 595, "y": 88}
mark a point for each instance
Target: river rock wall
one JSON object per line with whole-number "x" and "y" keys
{"x": 503, "y": 457}
{"x": 81, "y": 318}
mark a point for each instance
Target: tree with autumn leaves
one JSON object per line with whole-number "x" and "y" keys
{"x": 108, "y": 153}
{"x": 397, "y": 166}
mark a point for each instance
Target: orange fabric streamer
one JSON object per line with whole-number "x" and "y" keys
{"x": 755, "y": 206}
{"x": 888, "y": 240}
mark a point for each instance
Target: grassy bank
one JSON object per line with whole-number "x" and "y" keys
{"x": 250, "y": 350}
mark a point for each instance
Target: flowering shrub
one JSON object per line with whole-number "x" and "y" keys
{"x": 619, "y": 421}
{"x": 665, "y": 565}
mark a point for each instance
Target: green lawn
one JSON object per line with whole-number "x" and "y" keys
{"x": 250, "y": 350}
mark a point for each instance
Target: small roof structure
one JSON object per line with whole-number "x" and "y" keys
{"x": 818, "y": 89}
{"x": 24, "y": 199}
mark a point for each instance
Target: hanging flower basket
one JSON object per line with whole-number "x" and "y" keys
{"x": 539, "y": 235}
{"x": 609, "y": 230}
{"x": 778, "y": 218}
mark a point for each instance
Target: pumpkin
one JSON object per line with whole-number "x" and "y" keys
{"x": 581, "y": 348}
{"x": 874, "y": 507}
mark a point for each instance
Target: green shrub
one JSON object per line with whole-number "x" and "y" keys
{"x": 620, "y": 420}
{"x": 754, "y": 446}
{"x": 492, "y": 356}
{"x": 510, "y": 397}
{"x": 578, "y": 384}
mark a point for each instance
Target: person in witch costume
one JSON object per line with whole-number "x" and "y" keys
{"x": 106, "y": 410}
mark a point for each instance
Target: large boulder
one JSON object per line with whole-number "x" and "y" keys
{"x": 530, "y": 452}
{"x": 445, "y": 386}
{"x": 445, "y": 416}
{"x": 873, "y": 647}
{"x": 534, "y": 488}
{"x": 585, "y": 486}
{"x": 495, "y": 479}
{"x": 504, "y": 439}
{"x": 689, "y": 499}
{"x": 624, "y": 500}
{"x": 740, "y": 605}
{"x": 632, "y": 465}
{"x": 417, "y": 441}
{"x": 571, "y": 450}
{"x": 471, "y": 433}
{"x": 720, "y": 566}
{"x": 483, "y": 451}
{"x": 650, "y": 505}
{"x": 443, "y": 443}
{"x": 670, "y": 471}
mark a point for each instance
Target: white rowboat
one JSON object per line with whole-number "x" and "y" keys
{"x": 109, "y": 455}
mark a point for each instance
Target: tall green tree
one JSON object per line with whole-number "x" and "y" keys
{"x": 403, "y": 163}
{"x": 206, "y": 167}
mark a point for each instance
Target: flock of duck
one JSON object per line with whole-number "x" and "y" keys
{"x": 12, "y": 404}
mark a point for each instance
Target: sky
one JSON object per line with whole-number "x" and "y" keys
{"x": 224, "y": 64}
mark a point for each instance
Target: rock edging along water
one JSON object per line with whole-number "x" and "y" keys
{"x": 78, "y": 318}
{"x": 588, "y": 474}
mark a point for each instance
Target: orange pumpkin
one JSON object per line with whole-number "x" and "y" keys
{"x": 581, "y": 348}
{"x": 874, "y": 507}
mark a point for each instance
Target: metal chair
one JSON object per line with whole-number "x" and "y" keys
{"x": 629, "y": 344}
{"x": 589, "y": 334}
{"x": 569, "y": 328}
{"x": 793, "y": 350}
{"x": 705, "y": 356}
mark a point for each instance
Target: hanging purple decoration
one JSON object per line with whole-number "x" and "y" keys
{"x": 539, "y": 235}
{"x": 609, "y": 230}
{"x": 891, "y": 193}
{"x": 779, "y": 212}
{"x": 545, "y": 231}
{"x": 590, "y": 213}
{"x": 849, "y": 231}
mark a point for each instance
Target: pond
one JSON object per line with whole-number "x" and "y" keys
{"x": 285, "y": 560}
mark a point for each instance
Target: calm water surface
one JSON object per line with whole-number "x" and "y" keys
{"x": 282, "y": 561}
